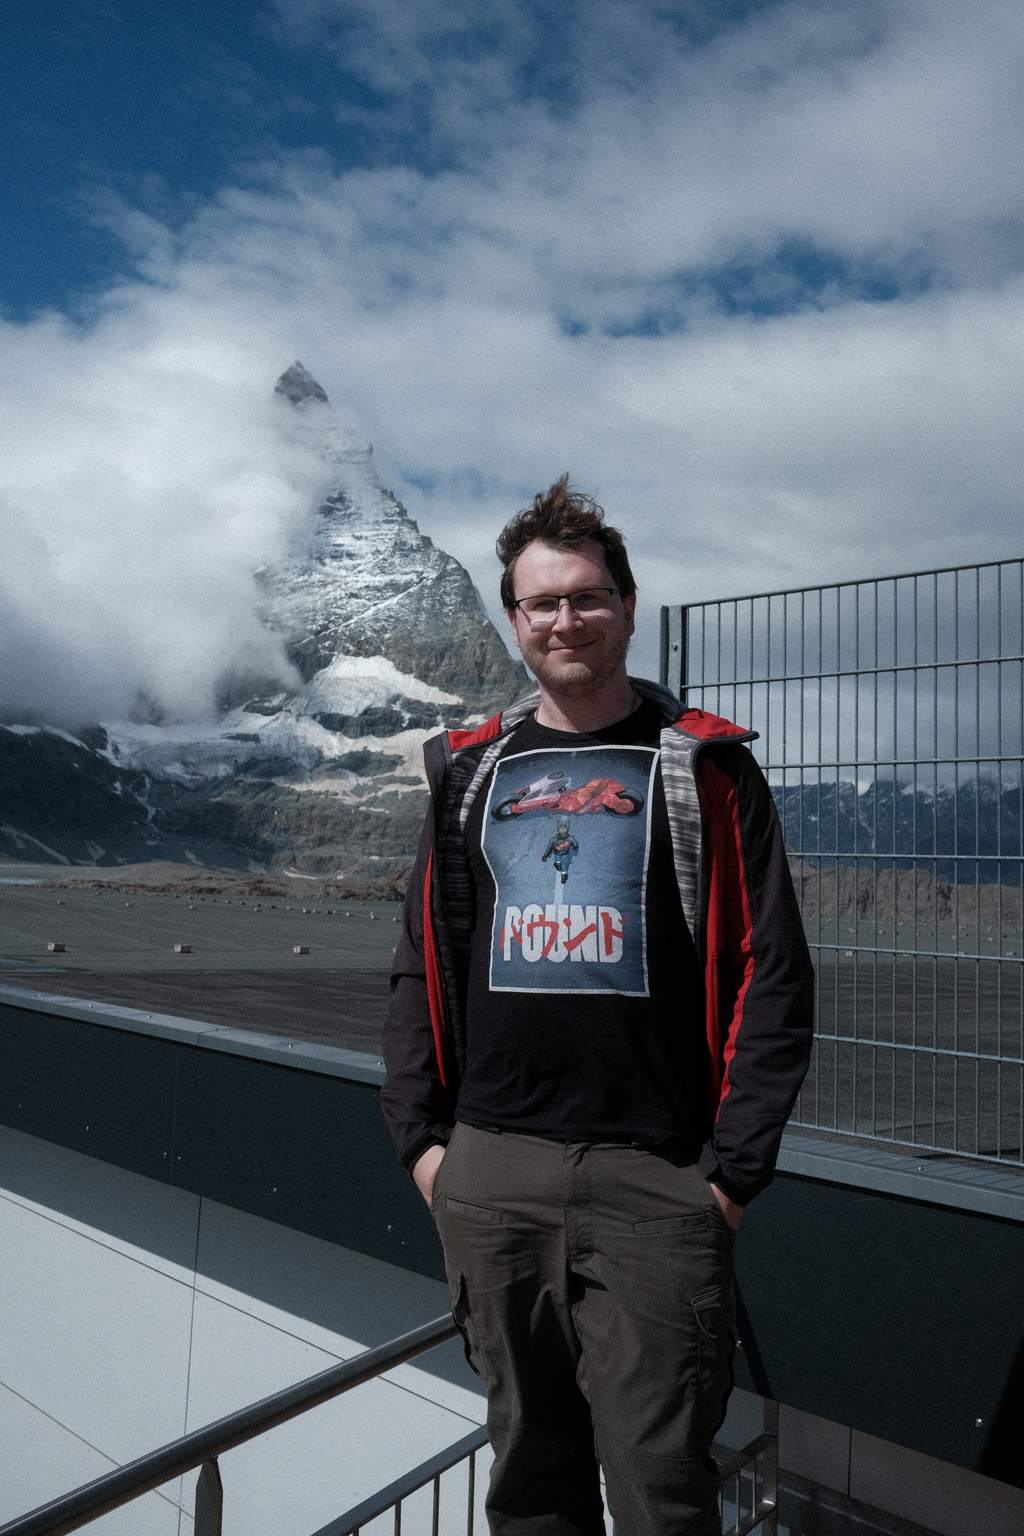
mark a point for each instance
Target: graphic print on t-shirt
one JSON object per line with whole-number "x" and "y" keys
{"x": 566, "y": 836}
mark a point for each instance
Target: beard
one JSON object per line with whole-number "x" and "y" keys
{"x": 588, "y": 675}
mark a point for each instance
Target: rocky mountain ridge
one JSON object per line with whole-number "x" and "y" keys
{"x": 365, "y": 582}
{"x": 391, "y": 644}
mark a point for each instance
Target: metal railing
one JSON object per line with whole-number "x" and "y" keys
{"x": 753, "y": 1471}
{"x": 394, "y": 1495}
{"x": 749, "y": 1492}
{"x": 891, "y": 720}
{"x": 750, "y": 1481}
{"x": 203, "y": 1446}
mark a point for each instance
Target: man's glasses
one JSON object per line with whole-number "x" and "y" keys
{"x": 542, "y": 611}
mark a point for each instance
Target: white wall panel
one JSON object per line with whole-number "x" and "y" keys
{"x": 42, "y": 1460}
{"x": 139, "y": 1217}
{"x": 116, "y": 1341}
{"x": 97, "y": 1340}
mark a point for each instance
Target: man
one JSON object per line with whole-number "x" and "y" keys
{"x": 563, "y": 846}
{"x": 588, "y": 1084}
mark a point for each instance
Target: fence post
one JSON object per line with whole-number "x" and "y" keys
{"x": 209, "y": 1500}
{"x": 770, "y": 1467}
{"x": 673, "y": 667}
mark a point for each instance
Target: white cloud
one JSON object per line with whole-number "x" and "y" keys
{"x": 844, "y": 438}
{"x": 870, "y": 126}
{"x": 146, "y": 472}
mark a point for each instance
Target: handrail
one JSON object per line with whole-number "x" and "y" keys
{"x": 203, "y": 1446}
{"x": 119, "y": 1487}
{"x": 763, "y": 1508}
{"x": 742, "y": 1458}
{"x": 761, "y": 1455}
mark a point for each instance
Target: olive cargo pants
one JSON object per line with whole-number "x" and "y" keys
{"x": 592, "y": 1284}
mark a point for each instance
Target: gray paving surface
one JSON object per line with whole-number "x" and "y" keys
{"x": 891, "y": 1073}
{"x": 925, "y": 1050}
{"x": 119, "y": 948}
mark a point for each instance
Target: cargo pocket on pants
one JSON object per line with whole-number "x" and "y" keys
{"x": 463, "y": 1320}
{"x": 715, "y": 1313}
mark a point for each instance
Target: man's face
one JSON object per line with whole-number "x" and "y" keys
{"x": 576, "y": 656}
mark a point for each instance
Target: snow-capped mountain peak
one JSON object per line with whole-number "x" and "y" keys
{"x": 297, "y": 384}
{"x": 392, "y": 644}
{"x": 362, "y": 580}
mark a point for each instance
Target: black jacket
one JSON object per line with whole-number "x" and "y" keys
{"x": 738, "y": 899}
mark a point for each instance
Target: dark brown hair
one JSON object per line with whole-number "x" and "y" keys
{"x": 566, "y": 518}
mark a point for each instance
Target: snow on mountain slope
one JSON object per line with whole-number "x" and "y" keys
{"x": 355, "y": 703}
{"x": 386, "y": 630}
{"x": 365, "y": 582}
{"x": 391, "y": 642}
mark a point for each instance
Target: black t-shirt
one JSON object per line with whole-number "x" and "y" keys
{"x": 585, "y": 1008}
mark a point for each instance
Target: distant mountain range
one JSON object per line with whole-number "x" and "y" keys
{"x": 972, "y": 832}
{"x": 391, "y": 642}
{"x": 902, "y": 858}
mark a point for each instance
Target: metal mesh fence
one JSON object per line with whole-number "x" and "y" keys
{"x": 891, "y": 720}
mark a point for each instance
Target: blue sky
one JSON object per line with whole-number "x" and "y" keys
{"x": 156, "y": 107}
{"x": 156, "y": 104}
{"x": 754, "y": 273}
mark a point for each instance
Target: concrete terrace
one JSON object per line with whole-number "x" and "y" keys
{"x": 241, "y": 968}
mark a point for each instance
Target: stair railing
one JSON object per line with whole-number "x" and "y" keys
{"x": 202, "y": 1447}
{"x": 752, "y": 1472}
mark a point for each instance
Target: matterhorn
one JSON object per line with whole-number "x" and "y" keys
{"x": 320, "y": 769}
{"x": 369, "y": 584}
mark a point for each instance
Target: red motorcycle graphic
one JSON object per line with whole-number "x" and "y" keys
{"x": 553, "y": 794}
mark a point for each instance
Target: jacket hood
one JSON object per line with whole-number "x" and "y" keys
{"x": 698, "y": 723}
